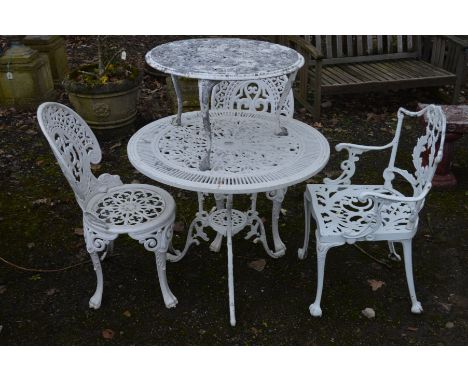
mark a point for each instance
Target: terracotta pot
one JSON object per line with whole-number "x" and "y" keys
{"x": 106, "y": 106}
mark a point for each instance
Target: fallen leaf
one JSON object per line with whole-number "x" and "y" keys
{"x": 95, "y": 167}
{"x": 41, "y": 201}
{"x": 179, "y": 226}
{"x": 412, "y": 329}
{"x": 108, "y": 334}
{"x": 127, "y": 313}
{"x": 449, "y": 325}
{"x": 116, "y": 145}
{"x": 35, "y": 277}
{"x": 134, "y": 181}
{"x": 258, "y": 265}
{"x": 446, "y": 307}
{"x": 3, "y": 289}
{"x": 39, "y": 162}
{"x": 283, "y": 211}
{"x": 78, "y": 231}
{"x": 375, "y": 284}
{"x": 31, "y": 245}
{"x": 368, "y": 312}
{"x": 51, "y": 292}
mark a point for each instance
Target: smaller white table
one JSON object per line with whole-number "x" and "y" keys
{"x": 211, "y": 60}
{"x": 247, "y": 158}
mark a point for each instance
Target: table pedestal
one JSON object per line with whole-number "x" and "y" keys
{"x": 227, "y": 222}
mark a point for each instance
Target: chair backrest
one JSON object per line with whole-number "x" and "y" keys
{"x": 73, "y": 144}
{"x": 352, "y": 48}
{"x": 253, "y": 95}
{"x": 427, "y": 152}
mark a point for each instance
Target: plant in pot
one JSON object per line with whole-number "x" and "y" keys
{"x": 105, "y": 93}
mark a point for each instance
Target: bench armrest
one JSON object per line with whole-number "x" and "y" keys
{"x": 348, "y": 166}
{"x": 307, "y": 46}
{"x": 456, "y": 40}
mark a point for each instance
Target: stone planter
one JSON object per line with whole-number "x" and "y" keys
{"x": 53, "y": 47}
{"x": 106, "y": 106}
{"x": 25, "y": 78}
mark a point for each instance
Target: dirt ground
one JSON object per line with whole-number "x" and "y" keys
{"x": 40, "y": 229}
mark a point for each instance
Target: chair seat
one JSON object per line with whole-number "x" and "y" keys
{"x": 339, "y": 213}
{"x": 130, "y": 208}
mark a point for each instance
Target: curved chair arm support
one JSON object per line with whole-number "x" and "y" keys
{"x": 348, "y": 166}
{"x": 384, "y": 198}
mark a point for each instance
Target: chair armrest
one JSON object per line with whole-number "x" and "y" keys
{"x": 385, "y": 198}
{"x": 307, "y": 46}
{"x": 348, "y": 166}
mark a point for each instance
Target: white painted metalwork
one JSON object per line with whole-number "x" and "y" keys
{"x": 214, "y": 60}
{"x": 109, "y": 207}
{"x": 347, "y": 213}
{"x": 247, "y": 158}
{"x": 224, "y": 59}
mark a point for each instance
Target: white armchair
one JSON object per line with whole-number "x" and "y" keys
{"x": 347, "y": 213}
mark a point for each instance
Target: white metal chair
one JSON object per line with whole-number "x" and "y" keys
{"x": 254, "y": 95}
{"x": 146, "y": 213}
{"x": 347, "y": 213}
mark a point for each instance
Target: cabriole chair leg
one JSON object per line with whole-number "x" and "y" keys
{"x": 416, "y": 307}
{"x": 393, "y": 255}
{"x": 95, "y": 300}
{"x": 322, "y": 250}
{"x": 169, "y": 299}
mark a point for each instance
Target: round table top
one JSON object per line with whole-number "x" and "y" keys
{"x": 224, "y": 59}
{"x": 246, "y": 157}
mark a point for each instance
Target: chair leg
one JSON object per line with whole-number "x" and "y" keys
{"x": 158, "y": 242}
{"x": 97, "y": 243}
{"x": 416, "y": 307}
{"x": 322, "y": 250}
{"x": 302, "y": 252}
{"x": 393, "y": 255}
{"x": 96, "y": 299}
{"x": 169, "y": 299}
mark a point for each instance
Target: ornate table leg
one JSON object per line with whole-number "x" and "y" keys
{"x": 204, "y": 90}
{"x": 280, "y": 130}
{"x": 232, "y": 307}
{"x": 175, "y": 81}
{"x": 195, "y": 230}
{"x": 216, "y": 244}
{"x": 277, "y": 197}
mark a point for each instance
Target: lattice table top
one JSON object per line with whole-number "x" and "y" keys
{"x": 224, "y": 59}
{"x": 246, "y": 155}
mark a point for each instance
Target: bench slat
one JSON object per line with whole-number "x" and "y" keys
{"x": 399, "y": 44}
{"x": 359, "y": 45}
{"x": 370, "y": 44}
{"x": 349, "y": 46}
{"x": 339, "y": 46}
{"x": 379, "y": 45}
{"x": 329, "y": 46}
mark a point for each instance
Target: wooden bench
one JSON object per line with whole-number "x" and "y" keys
{"x": 359, "y": 64}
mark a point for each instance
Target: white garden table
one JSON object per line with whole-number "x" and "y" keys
{"x": 247, "y": 157}
{"x": 212, "y": 60}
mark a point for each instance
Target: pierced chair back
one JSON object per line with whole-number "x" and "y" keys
{"x": 253, "y": 95}
{"x": 74, "y": 145}
{"x": 427, "y": 152}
